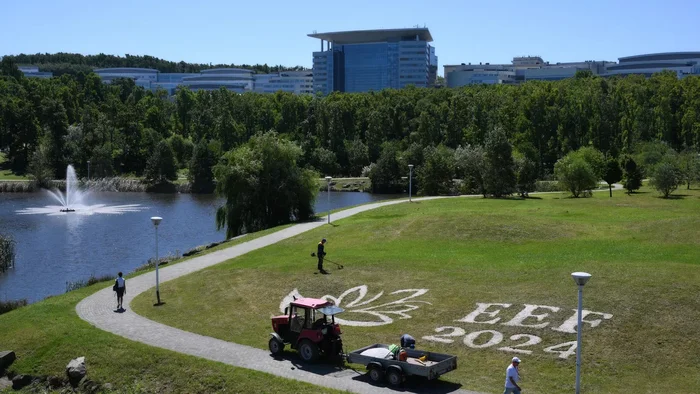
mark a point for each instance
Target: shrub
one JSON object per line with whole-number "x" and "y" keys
{"x": 666, "y": 177}
{"x": 7, "y": 306}
{"x": 575, "y": 174}
{"x": 633, "y": 176}
{"x": 79, "y": 284}
{"x": 526, "y": 175}
{"x": 7, "y": 252}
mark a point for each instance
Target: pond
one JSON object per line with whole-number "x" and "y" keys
{"x": 52, "y": 250}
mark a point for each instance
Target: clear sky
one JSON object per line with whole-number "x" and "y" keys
{"x": 275, "y": 32}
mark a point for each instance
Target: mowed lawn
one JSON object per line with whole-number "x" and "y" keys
{"x": 47, "y": 335}
{"x": 510, "y": 259}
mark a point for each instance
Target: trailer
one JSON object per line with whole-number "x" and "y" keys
{"x": 432, "y": 365}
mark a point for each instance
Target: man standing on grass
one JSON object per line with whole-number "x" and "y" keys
{"x": 120, "y": 288}
{"x": 321, "y": 253}
{"x": 512, "y": 377}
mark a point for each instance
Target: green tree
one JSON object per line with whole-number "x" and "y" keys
{"x": 499, "y": 176}
{"x": 101, "y": 161}
{"x": 263, "y": 186}
{"x": 470, "y": 163}
{"x": 575, "y": 174}
{"x": 41, "y": 166}
{"x": 201, "y": 174}
{"x": 385, "y": 174}
{"x": 182, "y": 148}
{"x": 161, "y": 166}
{"x": 436, "y": 174}
{"x": 613, "y": 173}
{"x": 325, "y": 161}
{"x": 358, "y": 156}
{"x": 526, "y": 176}
{"x": 689, "y": 163}
{"x": 633, "y": 176}
{"x": 666, "y": 177}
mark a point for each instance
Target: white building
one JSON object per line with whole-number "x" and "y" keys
{"x": 33, "y": 72}
{"x": 297, "y": 82}
{"x": 682, "y": 63}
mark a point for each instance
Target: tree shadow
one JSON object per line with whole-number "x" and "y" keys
{"x": 675, "y": 196}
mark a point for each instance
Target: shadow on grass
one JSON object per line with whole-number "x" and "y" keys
{"x": 675, "y": 197}
{"x": 413, "y": 384}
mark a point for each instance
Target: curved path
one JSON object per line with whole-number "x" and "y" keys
{"x": 97, "y": 310}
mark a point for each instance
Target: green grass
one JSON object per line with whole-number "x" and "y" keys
{"x": 6, "y": 174}
{"x": 48, "y": 334}
{"x": 643, "y": 252}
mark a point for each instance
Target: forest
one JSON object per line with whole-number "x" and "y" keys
{"x": 122, "y": 129}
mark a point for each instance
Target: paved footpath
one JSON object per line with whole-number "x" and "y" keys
{"x": 97, "y": 310}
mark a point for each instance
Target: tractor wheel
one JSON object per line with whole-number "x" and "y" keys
{"x": 394, "y": 377}
{"x": 308, "y": 351}
{"x": 276, "y": 347}
{"x": 376, "y": 374}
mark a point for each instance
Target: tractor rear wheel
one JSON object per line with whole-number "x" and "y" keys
{"x": 276, "y": 347}
{"x": 308, "y": 351}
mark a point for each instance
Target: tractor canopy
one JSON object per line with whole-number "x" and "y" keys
{"x": 330, "y": 310}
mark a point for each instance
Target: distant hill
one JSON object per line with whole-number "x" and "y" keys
{"x": 73, "y": 63}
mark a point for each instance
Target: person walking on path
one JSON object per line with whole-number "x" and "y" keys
{"x": 512, "y": 377}
{"x": 321, "y": 253}
{"x": 120, "y": 288}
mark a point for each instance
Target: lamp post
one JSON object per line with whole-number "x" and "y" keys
{"x": 328, "y": 179}
{"x": 580, "y": 278}
{"x": 410, "y": 181}
{"x": 88, "y": 170}
{"x": 156, "y": 221}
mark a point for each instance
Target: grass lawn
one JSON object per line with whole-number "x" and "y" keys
{"x": 6, "y": 174}
{"x": 643, "y": 253}
{"x": 48, "y": 334}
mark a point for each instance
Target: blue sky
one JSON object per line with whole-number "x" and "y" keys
{"x": 274, "y": 32}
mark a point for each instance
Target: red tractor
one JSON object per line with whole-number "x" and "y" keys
{"x": 309, "y": 326}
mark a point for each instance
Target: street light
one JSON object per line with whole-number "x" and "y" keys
{"x": 580, "y": 278}
{"x": 88, "y": 170}
{"x": 156, "y": 221}
{"x": 410, "y": 180}
{"x": 328, "y": 179}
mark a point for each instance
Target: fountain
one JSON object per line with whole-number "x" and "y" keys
{"x": 73, "y": 195}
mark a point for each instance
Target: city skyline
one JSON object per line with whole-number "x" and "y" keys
{"x": 463, "y": 32}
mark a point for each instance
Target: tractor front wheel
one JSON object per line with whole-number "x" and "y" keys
{"x": 276, "y": 347}
{"x": 308, "y": 351}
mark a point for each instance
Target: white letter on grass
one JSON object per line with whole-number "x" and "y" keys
{"x": 481, "y": 309}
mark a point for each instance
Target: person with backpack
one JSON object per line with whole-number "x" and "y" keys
{"x": 120, "y": 288}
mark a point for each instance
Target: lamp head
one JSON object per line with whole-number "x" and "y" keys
{"x": 581, "y": 277}
{"x": 156, "y": 220}
{"x": 328, "y": 178}
{"x": 410, "y": 166}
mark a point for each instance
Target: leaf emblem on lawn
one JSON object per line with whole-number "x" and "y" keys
{"x": 356, "y": 301}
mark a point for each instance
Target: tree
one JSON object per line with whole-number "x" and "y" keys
{"x": 613, "y": 173}
{"x": 666, "y": 177}
{"x": 325, "y": 162}
{"x": 263, "y": 186}
{"x": 182, "y": 148}
{"x": 358, "y": 156}
{"x": 436, "y": 174}
{"x": 526, "y": 176}
{"x": 499, "y": 176}
{"x": 575, "y": 174}
{"x": 689, "y": 163}
{"x": 161, "y": 166}
{"x": 633, "y": 176}
{"x": 40, "y": 166}
{"x": 470, "y": 167}
{"x": 201, "y": 175}
{"x": 386, "y": 174}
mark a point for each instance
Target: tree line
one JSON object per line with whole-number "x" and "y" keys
{"x": 471, "y": 133}
{"x": 75, "y": 63}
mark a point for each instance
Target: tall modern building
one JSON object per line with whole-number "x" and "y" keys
{"x": 682, "y": 63}
{"x": 365, "y": 60}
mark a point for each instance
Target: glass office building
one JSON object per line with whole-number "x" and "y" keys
{"x": 372, "y": 60}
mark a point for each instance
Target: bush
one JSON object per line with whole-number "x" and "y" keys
{"x": 79, "y": 284}
{"x": 575, "y": 174}
{"x": 666, "y": 177}
{"x": 7, "y": 306}
{"x": 435, "y": 176}
{"x": 526, "y": 175}
{"x": 7, "y": 252}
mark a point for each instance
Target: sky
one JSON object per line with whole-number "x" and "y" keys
{"x": 275, "y": 32}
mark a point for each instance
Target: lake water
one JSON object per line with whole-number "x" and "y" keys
{"x": 52, "y": 250}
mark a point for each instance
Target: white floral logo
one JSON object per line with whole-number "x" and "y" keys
{"x": 378, "y": 315}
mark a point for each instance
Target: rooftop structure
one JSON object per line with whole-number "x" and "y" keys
{"x": 682, "y": 63}
{"x": 365, "y": 36}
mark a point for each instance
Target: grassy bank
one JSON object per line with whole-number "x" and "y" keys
{"x": 48, "y": 334}
{"x": 346, "y": 185}
{"x": 642, "y": 251}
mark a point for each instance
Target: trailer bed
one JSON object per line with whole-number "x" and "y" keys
{"x": 435, "y": 365}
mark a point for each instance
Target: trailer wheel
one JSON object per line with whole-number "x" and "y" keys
{"x": 394, "y": 377}
{"x": 308, "y": 351}
{"x": 276, "y": 347}
{"x": 376, "y": 374}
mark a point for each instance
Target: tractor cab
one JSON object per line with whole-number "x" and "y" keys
{"x": 309, "y": 326}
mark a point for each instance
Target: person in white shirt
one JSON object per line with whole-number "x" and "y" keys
{"x": 120, "y": 288}
{"x": 512, "y": 377}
